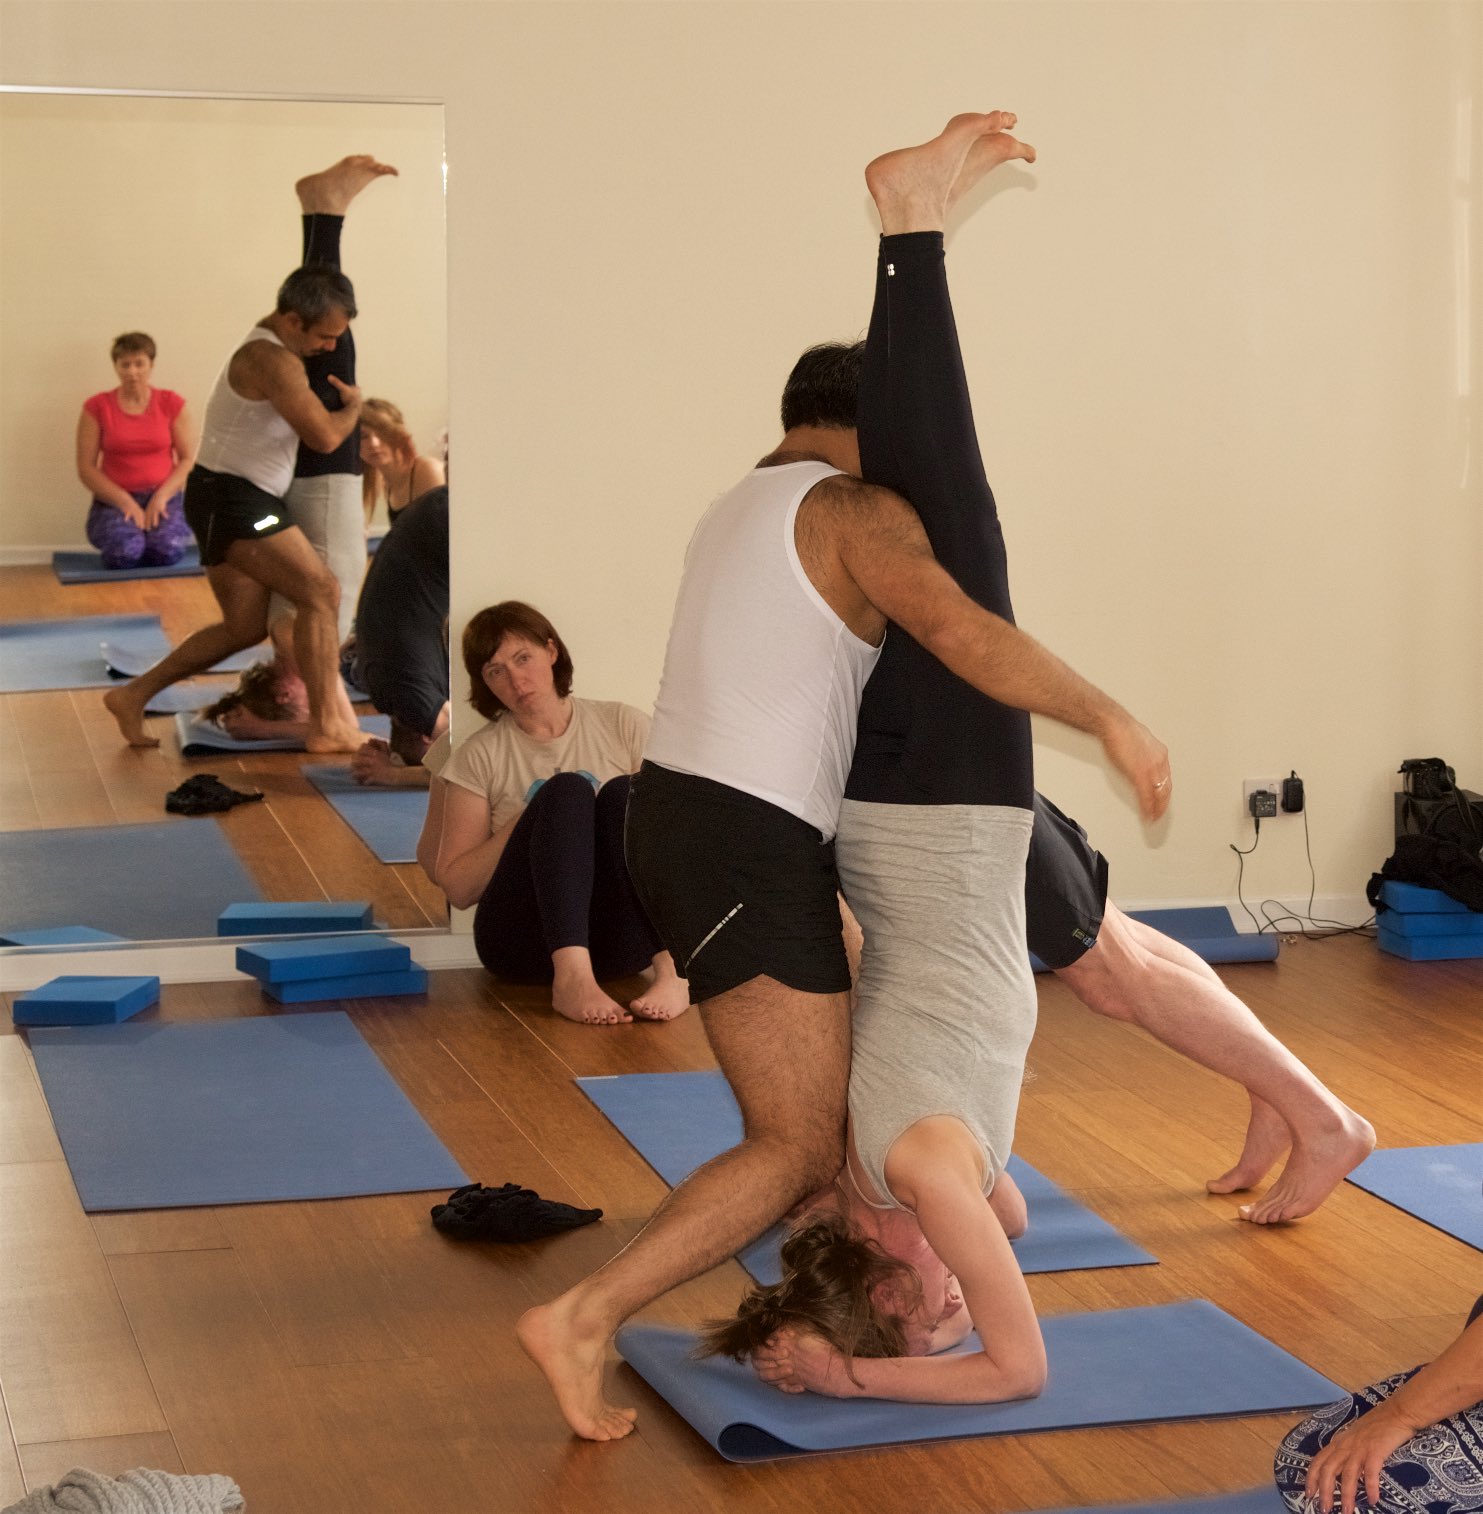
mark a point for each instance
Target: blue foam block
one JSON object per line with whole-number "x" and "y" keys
{"x": 68, "y": 654}
{"x": 85, "y": 1000}
{"x": 322, "y": 957}
{"x": 58, "y": 935}
{"x": 678, "y": 1120}
{"x": 411, "y": 980}
{"x": 202, "y": 738}
{"x": 1442, "y": 1185}
{"x": 1263, "y": 1500}
{"x": 162, "y": 880}
{"x": 1114, "y": 1367}
{"x": 1413, "y": 899}
{"x": 278, "y": 918}
{"x": 1427, "y": 948}
{"x": 1208, "y": 931}
{"x": 389, "y": 821}
{"x": 1469, "y": 923}
{"x": 87, "y": 568}
{"x": 158, "y": 1116}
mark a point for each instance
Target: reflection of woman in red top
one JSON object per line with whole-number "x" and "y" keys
{"x": 135, "y": 445}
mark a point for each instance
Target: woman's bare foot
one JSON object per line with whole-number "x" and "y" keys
{"x": 572, "y": 1360}
{"x": 668, "y": 994}
{"x": 330, "y": 191}
{"x": 987, "y": 153}
{"x": 914, "y": 186}
{"x": 577, "y": 995}
{"x": 1317, "y": 1166}
{"x": 1267, "y": 1137}
{"x": 128, "y": 710}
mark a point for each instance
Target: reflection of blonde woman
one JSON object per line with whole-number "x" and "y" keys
{"x": 395, "y": 470}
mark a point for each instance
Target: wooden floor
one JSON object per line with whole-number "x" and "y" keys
{"x": 342, "y": 1355}
{"x": 62, "y": 764}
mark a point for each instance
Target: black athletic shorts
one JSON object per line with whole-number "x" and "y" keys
{"x": 1065, "y": 888}
{"x": 736, "y": 887}
{"x": 223, "y": 507}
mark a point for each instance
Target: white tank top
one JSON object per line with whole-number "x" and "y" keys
{"x": 762, "y": 680}
{"x": 248, "y": 437}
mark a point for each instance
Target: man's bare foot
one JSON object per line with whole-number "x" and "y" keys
{"x": 577, "y": 995}
{"x": 666, "y": 997}
{"x": 572, "y": 1360}
{"x": 336, "y": 738}
{"x": 128, "y": 711}
{"x": 914, "y": 186}
{"x": 1267, "y": 1137}
{"x": 1316, "y": 1167}
{"x": 330, "y": 191}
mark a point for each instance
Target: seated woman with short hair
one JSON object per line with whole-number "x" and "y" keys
{"x": 532, "y": 827}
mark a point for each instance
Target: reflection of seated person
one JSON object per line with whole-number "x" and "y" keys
{"x": 1412, "y": 1444}
{"x": 401, "y": 638}
{"x": 532, "y": 826}
{"x": 394, "y": 469}
{"x": 135, "y": 445}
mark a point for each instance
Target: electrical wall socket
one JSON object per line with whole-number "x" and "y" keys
{"x": 1250, "y": 786}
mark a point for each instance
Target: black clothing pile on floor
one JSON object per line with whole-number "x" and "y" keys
{"x": 206, "y": 794}
{"x": 507, "y": 1213}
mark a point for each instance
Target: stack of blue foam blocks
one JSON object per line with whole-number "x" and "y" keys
{"x": 85, "y": 999}
{"x": 1426, "y": 925}
{"x": 311, "y": 969}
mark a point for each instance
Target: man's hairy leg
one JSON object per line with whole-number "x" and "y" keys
{"x": 786, "y": 1055}
{"x": 1138, "y": 974}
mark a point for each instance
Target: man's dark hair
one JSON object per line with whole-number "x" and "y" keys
{"x": 313, "y": 291}
{"x": 824, "y": 386}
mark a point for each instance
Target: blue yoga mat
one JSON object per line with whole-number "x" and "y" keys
{"x": 1207, "y": 930}
{"x": 201, "y": 738}
{"x": 68, "y": 654}
{"x": 677, "y": 1120}
{"x": 160, "y": 881}
{"x": 389, "y": 821}
{"x": 129, "y": 656}
{"x": 1263, "y": 1500}
{"x": 1114, "y": 1367}
{"x": 1442, "y": 1185}
{"x": 87, "y": 568}
{"x": 247, "y": 1111}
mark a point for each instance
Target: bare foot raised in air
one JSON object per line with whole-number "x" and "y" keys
{"x": 571, "y": 1357}
{"x": 128, "y": 710}
{"x": 668, "y": 994}
{"x": 913, "y": 187}
{"x": 330, "y": 191}
{"x": 577, "y": 995}
{"x": 1318, "y": 1164}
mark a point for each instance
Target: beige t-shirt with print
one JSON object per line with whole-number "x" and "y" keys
{"x": 605, "y": 738}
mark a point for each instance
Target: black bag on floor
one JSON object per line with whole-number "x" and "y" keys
{"x": 1441, "y": 846}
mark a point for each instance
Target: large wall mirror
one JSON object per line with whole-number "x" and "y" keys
{"x": 177, "y": 216}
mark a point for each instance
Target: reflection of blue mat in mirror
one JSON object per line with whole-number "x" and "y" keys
{"x": 201, "y": 738}
{"x": 1208, "y": 931}
{"x": 129, "y": 656}
{"x": 58, "y": 935}
{"x": 1442, "y": 1185}
{"x": 87, "y": 568}
{"x": 164, "y": 880}
{"x": 68, "y": 654}
{"x": 1114, "y": 1367}
{"x": 233, "y": 1112}
{"x": 677, "y": 1120}
{"x": 389, "y": 821}
{"x": 1263, "y": 1500}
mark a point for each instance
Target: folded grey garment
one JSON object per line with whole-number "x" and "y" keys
{"x": 141, "y": 1491}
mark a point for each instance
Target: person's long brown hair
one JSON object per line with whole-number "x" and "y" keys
{"x": 830, "y": 1274}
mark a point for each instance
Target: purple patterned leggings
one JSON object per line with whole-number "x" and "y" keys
{"x": 124, "y": 545}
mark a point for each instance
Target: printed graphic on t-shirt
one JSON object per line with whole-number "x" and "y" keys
{"x": 535, "y": 788}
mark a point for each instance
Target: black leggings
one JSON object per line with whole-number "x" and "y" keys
{"x": 322, "y": 245}
{"x": 562, "y": 881}
{"x": 926, "y": 737}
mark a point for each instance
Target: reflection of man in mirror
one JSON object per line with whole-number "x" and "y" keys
{"x": 260, "y": 409}
{"x": 789, "y": 583}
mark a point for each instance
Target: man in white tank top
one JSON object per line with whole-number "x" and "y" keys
{"x": 789, "y": 583}
{"x": 259, "y": 410}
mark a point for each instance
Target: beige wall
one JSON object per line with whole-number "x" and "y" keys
{"x": 1223, "y": 338}
{"x": 177, "y": 217}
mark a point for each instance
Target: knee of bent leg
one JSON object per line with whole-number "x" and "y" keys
{"x": 569, "y": 790}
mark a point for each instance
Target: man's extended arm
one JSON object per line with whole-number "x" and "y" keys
{"x": 262, "y": 371}
{"x": 884, "y": 550}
